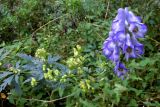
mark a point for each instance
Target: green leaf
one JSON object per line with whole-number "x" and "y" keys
{"x": 132, "y": 103}
{"x": 61, "y": 91}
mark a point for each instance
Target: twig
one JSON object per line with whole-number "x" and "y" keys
{"x": 46, "y": 101}
{"x": 154, "y": 40}
{"x": 97, "y": 25}
{"x": 107, "y": 10}
{"x": 47, "y": 24}
{"x": 100, "y": 36}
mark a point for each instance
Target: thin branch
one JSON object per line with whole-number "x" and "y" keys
{"x": 97, "y": 25}
{"x": 47, "y": 24}
{"x": 46, "y": 101}
{"x": 158, "y": 43}
{"x": 107, "y": 10}
{"x": 100, "y": 36}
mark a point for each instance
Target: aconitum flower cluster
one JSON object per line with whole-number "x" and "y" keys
{"x": 122, "y": 42}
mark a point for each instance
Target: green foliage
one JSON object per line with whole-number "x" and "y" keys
{"x": 63, "y": 65}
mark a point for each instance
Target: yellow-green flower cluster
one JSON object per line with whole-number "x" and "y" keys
{"x": 51, "y": 74}
{"x": 41, "y": 53}
{"x": 77, "y": 60}
{"x": 85, "y": 85}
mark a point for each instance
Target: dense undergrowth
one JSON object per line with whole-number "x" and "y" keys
{"x": 51, "y": 55}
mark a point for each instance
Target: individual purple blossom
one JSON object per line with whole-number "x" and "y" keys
{"x": 128, "y": 48}
{"x": 120, "y": 70}
{"x": 138, "y": 29}
{"x": 131, "y": 17}
{"x": 111, "y": 50}
{"x": 119, "y": 22}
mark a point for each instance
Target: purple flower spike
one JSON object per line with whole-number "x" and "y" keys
{"x": 122, "y": 40}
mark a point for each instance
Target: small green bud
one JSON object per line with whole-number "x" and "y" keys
{"x": 56, "y": 72}
{"x": 83, "y": 86}
{"x": 64, "y": 76}
{"x": 16, "y": 71}
{"x": 78, "y": 60}
{"x": 80, "y": 71}
{"x": 0, "y": 63}
{"x": 33, "y": 82}
{"x": 49, "y": 71}
{"x": 11, "y": 69}
{"x": 79, "y": 48}
{"x": 50, "y": 77}
{"x": 46, "y": 75}
{"x": 88, "y": 84}
{"x": 62, "y": 80}
{"x": 70, "y": 62}
{"x": 75, "y": 52}
{"x": 82, "y": 58}
{"x": 44, "y": 67}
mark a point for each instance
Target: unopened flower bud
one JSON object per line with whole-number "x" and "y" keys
{"x": 33, "y": 82}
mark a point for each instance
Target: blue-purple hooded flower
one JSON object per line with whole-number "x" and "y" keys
{"x": 120, "y": 70}
{"x": 138, "y": 29}
{"x": 110, "y": 50}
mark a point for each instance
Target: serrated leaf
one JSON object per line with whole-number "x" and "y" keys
{"x": 4, "y": 74}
